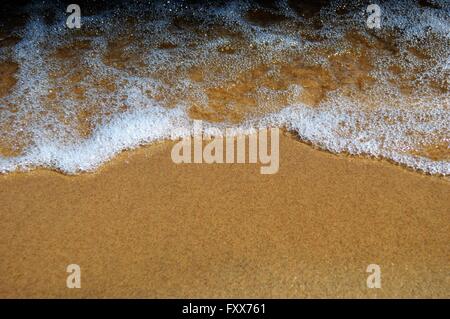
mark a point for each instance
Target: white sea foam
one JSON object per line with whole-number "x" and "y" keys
{"x": 338, "y": 124}
{"x": 322, "y": 127}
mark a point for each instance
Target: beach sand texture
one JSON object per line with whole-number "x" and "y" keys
{"x": 143, "y": 226}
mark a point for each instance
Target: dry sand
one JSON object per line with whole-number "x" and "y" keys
{"x": 142, "y": 226}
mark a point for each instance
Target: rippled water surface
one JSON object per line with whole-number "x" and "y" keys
{"x": 138, "y": 72}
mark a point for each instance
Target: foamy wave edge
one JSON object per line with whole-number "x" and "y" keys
{"x": 321, "y": 127}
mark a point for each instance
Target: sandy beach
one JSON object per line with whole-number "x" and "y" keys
{"x": 94, "y": 96}
{"x": 142, "y": 226}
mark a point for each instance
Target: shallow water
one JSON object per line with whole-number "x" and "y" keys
{"x": 134, "y": 73}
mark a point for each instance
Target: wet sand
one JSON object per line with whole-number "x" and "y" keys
{"x": 142, "y": 226}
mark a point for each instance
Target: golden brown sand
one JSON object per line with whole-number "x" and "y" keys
{"x": 144, "y": 227}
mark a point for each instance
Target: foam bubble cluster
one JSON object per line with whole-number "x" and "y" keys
{"x": 135, "y": 73}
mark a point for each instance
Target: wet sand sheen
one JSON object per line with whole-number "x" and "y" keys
{"x": 142, "y": 226}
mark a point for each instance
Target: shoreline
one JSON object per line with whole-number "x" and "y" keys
{"x": 142, "y": 226}
{"x": 283, "y": 133}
